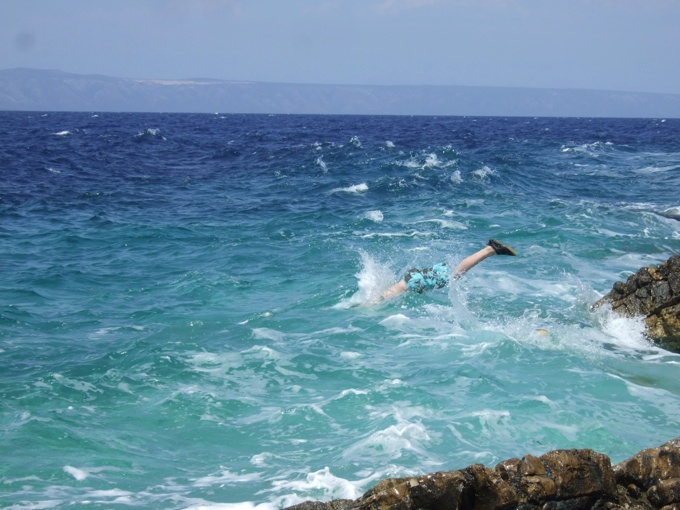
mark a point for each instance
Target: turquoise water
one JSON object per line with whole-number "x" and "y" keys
{"x": 185, "y": 314}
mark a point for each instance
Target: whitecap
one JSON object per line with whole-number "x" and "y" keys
{"x": 350, "y": 355}
{"x": 350, "y": 391}
{"x": 389, "y": 145}
{"x": 356, "y": 188}
{"x": 120, "y": 494}
{"x": 322, "y": 164}
{"x": 656, "y": 169}
{"x": 410, "y": 163}
{"x": 483, "y": 173}
{"x": 671, "y": 212}
{"x": 456, "y": 178}
{"x": 445, "y": 224}
{"x": 397, "y": 234}
{"x": 225, "y": 478}
{"x": 74, "y": 384}
{"x": 208, "y": 362}
{"x": 569, "y": 432}
{"x": 395, "y": 440}
{"x": 150, "y": 133}
{"x": 76, "y": 473}
{"x": 493, "y": 422}
{"x": 63, "y": 133}
{"x": 267, "y": 334}
{"x": 431, "y": 161}
{"x": 376, "y": 216}
{"x": 396, "y": 320}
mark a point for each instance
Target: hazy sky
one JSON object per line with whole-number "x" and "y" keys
{"x": 630, "y": 45}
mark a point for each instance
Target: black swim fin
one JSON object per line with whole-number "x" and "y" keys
{"x": 500, "y": 248}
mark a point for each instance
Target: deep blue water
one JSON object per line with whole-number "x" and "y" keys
{"x": 185, "y": 317}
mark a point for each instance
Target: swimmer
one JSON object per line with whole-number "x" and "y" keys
{"x": 437, "y": 276}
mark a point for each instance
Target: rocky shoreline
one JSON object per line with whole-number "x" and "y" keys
{"x": 560, "y": 479}
{"x": 654, "y": 293}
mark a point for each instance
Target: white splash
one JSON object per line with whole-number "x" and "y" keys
{"x": 373, "y": 280}
{"x": 323, "y": 481}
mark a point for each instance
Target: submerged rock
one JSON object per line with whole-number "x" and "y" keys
{"x": 652, "y": 292}
{"x": 561, "y": 479}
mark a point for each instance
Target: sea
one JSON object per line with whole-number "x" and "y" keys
{"x": 189, "y": 314}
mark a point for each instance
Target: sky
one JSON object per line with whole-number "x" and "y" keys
{"x": 622, "y": 45}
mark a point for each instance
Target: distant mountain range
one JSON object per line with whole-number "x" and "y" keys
{"x": 50, "y": 90}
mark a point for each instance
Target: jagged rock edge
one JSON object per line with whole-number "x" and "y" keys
{"x": 560, "y": 479}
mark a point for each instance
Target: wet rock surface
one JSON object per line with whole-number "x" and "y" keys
{"x": 654, "y": 293}
{"x": 559, "y": 480}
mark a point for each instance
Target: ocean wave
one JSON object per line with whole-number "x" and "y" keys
{"x": 588, "y": 148}
{"x": 450, "y": 224}
{"x": 356, "y": 188}
{"x": 208, "y": 318}
{"x": 149, "y": 134}
{"x": 658, "y": 169}
{"x": 484, "y": 173}
{"x": 322, "y": 164}
{"x": 376, "y": 216}
{"x": 427, "y": 161}
{"x": 671, "y": 212}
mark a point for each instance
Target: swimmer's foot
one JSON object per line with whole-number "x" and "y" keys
{"x": 500, "y": 248}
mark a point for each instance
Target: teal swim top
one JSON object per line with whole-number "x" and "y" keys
{"x": 420, "y": 280}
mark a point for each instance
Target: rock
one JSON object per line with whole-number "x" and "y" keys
{"x": 558, "y": 480}
{"x": 654, "y": 473}
{"x": 338, "y": 504}
{"x": 653, "y": 292}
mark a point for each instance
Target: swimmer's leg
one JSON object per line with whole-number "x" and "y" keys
{"x": 493, "y": 248}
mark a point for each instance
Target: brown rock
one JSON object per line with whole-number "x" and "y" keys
{"x": 648, "y": 467}
{"x": 338, "y": 504}
{"x": 531, "y": 465}
{"x": 581, "y": 473}
{"x": 559, "y": 480}
{"x": 438, "y": 491}
{"x": 488, "y": 490}
{"x": 652, "y": 292}
{"x": 666, "y": 492}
